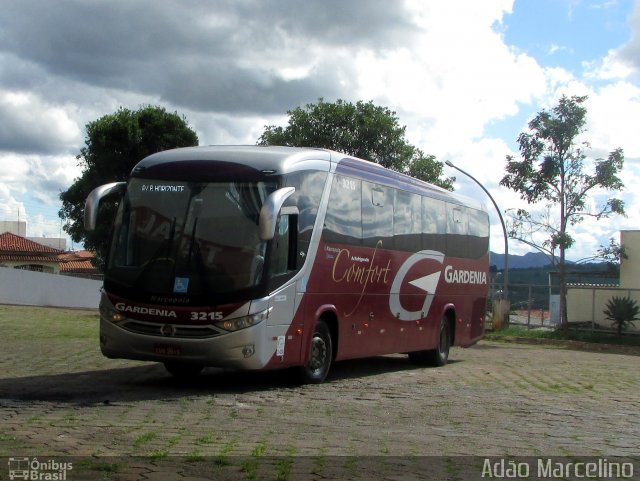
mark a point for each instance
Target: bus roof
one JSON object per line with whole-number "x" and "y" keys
{"x": 262, "y": 158}
{"x": 271, "y": 160}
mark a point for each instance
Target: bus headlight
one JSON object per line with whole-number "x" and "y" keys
{"x": 245, "y": 321}
{"x": 108, "y": 312}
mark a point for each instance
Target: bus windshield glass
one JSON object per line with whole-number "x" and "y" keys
{"x": 188, "y": 238}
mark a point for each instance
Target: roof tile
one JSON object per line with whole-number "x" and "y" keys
{"x": 14, "y": 243}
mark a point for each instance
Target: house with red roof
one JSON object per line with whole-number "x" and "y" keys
{"x": 79, "y": 264}
{"x": 21, "y": 253}
{"x": 18, "y": 252}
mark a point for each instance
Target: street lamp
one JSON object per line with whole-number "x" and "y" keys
{"x": 505, "y": 290}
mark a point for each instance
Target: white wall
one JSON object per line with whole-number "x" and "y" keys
{"x": 38, "y": 289}
{"x": 55, "y": 242}
{"x": 14, "y": 227}
{"x": 630, "y": 267}
{"x": 587, "y": 303}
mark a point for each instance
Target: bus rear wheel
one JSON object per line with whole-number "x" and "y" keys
{"x": 321, "y": 353}
{"x": 438, "y": 356}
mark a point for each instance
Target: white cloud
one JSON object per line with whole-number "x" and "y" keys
{"x": 40, "y": 176}
{"x": 457, "y": 76}
{"x": 444, "y": 67}
{"x": 33, "y": 125}
{"x": 628, "y": 53}
{"x": 613, "y": 113}
{"x": 10, "y": 208}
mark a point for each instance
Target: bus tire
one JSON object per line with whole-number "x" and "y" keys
{"x": 320, "y": 356}
{"x": 183, "y": 370}
{"x": 438, "y": 356}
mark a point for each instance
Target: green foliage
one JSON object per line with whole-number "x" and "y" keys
{"x": 613, "y": 253}
{"x": 428, "y": 169}
{"x": 623, "y": 311}
{"x": 362, "y": 130}
{"x": 114, "y": 144}
{"x": 552, "y": 170}
{"x": 514, "y": 332}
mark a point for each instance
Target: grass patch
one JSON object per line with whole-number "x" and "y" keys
{"x": 195, "y": 456}
{"x": 283, "y": 469}
{"x": 559, "y": 335}
{"x": 144, "y": 439}
{"x": 26, "y": 323}
{"x": 259, "y": 449}
{"x": 99, "y": 466}
{"x": 222, "y": 459}
{"x": 250, "y": 468}
{"x": 206, "y": 439}
{"x": 159, "y": 454}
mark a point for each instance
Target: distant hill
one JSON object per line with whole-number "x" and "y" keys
{"x": 530, "y": 259}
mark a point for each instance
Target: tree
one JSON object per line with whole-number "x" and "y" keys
{"x": 553, "y": 170}
{"x": 611, "y": 254}
{"x": 362, "y": 130}
{"x": 114, "y": 144}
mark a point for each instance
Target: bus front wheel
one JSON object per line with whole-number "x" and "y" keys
{"x": 438, "y": 356}
{"x": 320, "y": 355}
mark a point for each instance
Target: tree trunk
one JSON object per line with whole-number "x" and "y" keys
{"x": 564, "y": 322}
{"x": 563, "y": 232}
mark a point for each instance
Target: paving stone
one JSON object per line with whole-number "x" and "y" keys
{"x": 493, "y": 399}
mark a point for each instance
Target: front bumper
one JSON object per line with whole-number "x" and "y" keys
{"x": 243, "y": 349}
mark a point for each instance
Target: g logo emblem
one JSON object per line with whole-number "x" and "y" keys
{"x": 426, "y": 283}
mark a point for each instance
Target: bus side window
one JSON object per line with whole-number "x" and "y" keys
{"x": 284, "y": 251}
{"x": 407, "y": 222}
{"x": 478, "y": 233}
{"x": 434, "y": 225}
{"x": 457, "y": 230}
{"x": 377, "y": 215}
{"x": 307, "y": 197}
{"x": 343, "y": 222}
{"x": 283, "y": 258}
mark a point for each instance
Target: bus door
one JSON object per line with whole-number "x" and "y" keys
{"x": 284, "y": 263}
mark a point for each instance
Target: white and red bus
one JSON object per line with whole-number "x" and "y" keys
{"x": 271, "y": 257}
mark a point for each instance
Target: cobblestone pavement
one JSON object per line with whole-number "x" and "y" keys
{"x": 493, "y": 399}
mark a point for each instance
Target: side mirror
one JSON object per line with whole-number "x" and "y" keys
{"x": 93, "y": 201}
{"x": 269, "y": 212}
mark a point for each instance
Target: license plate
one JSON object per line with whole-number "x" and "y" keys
{"x": 167, "y": 349}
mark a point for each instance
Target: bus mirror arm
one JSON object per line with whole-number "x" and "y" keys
{"x": 93, "y": 202}
{"x": 269, "y": 212}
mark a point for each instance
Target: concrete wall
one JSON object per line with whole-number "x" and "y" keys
{"x": 59, "y": 243}
{"x": 587, "y": 303}
{"x": 48, "y": 267}
{"x": 14, "y": 227}
{"x": 38, "y": 289}
{"x": 630, "y": 267}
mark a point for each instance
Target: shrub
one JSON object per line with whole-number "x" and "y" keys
{"x": 622, "y": 311}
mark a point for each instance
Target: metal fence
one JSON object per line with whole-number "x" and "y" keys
{"x": 531, "y": 304}
{"x": 536, "y": 306}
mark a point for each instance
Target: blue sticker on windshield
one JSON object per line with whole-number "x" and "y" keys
{"x": 181, "y": 285}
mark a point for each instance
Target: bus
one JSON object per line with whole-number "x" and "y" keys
{"x": 270, "y": 257}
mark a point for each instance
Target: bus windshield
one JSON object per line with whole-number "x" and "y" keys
{"x": 176, "y": 238}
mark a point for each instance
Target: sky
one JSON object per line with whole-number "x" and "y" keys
{"x": 464, "y": 76}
